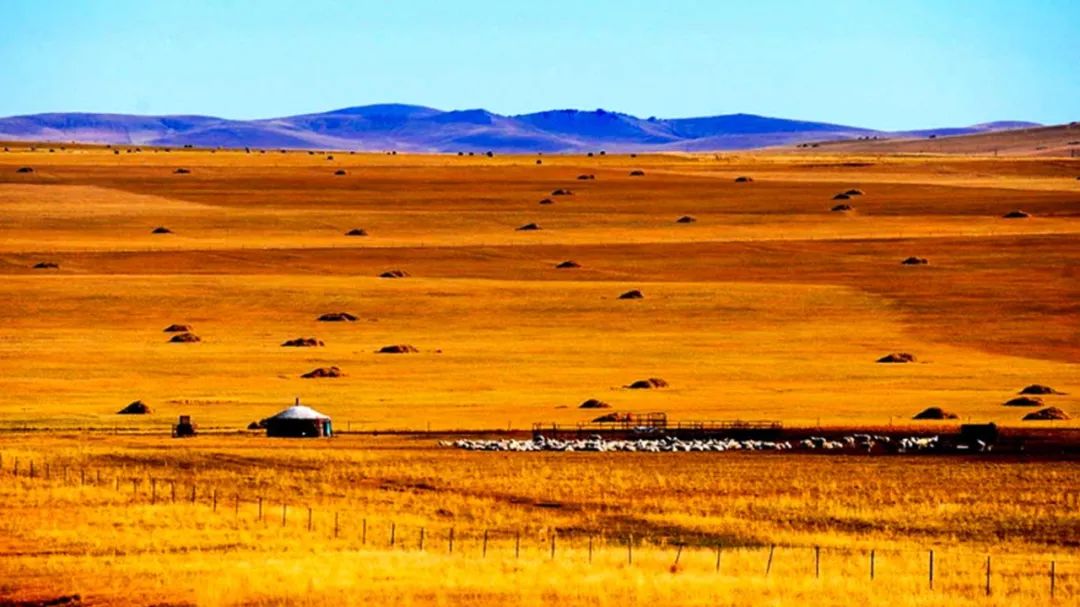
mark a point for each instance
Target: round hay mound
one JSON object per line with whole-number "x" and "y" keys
{"x": 1047, "y": 414}
{"x": 24, "y": 170}
{"x": 897, "y": 357}
{"x": 302, "y": 342}
{"x": 538, "y": 161}
{"x": 842, "y": 208}
{"x": 161, "y": 230}
{"x": 915, "y": 261}
{"x": 340, "y": 172}
{"x": 593, "y": 403}
{"x": 841, "y": 196}
{"x": 567, "y": 264}
{"x": 854, "y": 192}
{"x": 686, "y": 219}
{"x": 177, "y": 328}
{"x": 637, "y": 173}
{"x": 394, "y": 274}
{"x": 397, "y": 349}
{"x": 632, "y": 294}
{"x": 547, "y": 201}
{"x": 586, "y": 177}
{"x": 356, "y": 232}
{"x": 46, "y": 265}
{"x": 322, "y": 372}
{"x": 935, "y": 413}
{"x": 182, "y": 171}
{"x": 529, "y": 227}
{"x": 1039, "y": 389}
{"x": 648, "y": 384}
{"x": 1017, "y": 214}
{"x": 561, "y": 192}
{"x": 184, "y": 338}
{"x": 743, "y": 179}
{"x": 1024, "y": 401}
{"x": 337, "y": 317}
{"x": 136, "y": 408}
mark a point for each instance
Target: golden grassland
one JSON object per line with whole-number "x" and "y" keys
{"x": 769, "y": 306}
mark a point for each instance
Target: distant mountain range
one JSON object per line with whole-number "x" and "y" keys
{"x": 423, "y": 129}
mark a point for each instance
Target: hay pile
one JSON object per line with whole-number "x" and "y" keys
{"x": 185, "y": 338}
{"x": 842, "y": 208}
{"x": 302, "y": 342}
{"x": 136, "y": 408}
{"x": 1024, "y": 401}
{"x": 637, "y": 173}
{"x": 161, "y": 230}
{"x": 561, "y": 192}
{"x": 46, "y": 265}
{"x": 397, "y": 349}
{"x": 323, "y": 372}
{"x": 1039, "y": 389}
{"x": 841, "y": 196}
{"x": 854, "y": 192}
{"x": 632, "y": 294}
{"x": 593, "y": 403}
{"x": 177, "y": 328}
{"x": 686, "y": 219}
{"x": 1047, "y": 414}
{"x": 586, "y": 177}
{"x": 529, "y": 227}
{"x": 340, "y": 172}
{"x": 182, "y": 171}
{"x": 915, "y": 261}
{"x": 647, "y": 384}
{"x": 356, "y": 232}
{"x": 935, "y": 413}
{"x": 24, "y": 170}
{"x": 1017, "y": 214}
{"x": 743, "y": 179}
{"x": 897, "y": 357}
{"x": 567, "y": 265}
{"x": 547, "y": 201}
{"x": 337, "y": 317}
{"x": 394, "y": 274}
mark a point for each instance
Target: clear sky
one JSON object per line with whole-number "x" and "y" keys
{"x": 879, "y": 64}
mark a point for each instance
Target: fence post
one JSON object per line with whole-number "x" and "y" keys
{"x": 172, "y": 485}
{"x": 1053, "y": 576}
{"x": 931, "y": 570}
{"x": 421, "y": 539}
{"x": 590, "y": 548}
{"x": 678, "y": 555}
{"x": 117, "y": 480}
{"x": 483, "y": 551}
{"x": 284, "y": 512}
{"x": 871, "y": 565}
{"x": 260, "y": 509}
{"x": 48, "y": 472}
{"x": 31, "y": 468}
{"x": 193, "y": 493}
{"x": 309, "y": 519}
{"x": 988, "y": 575}
{"x": 236, "y": 506}
{"x": 768, "y": 566}
{"x": 363, "y": 533}
{"x": 718, "y": 548}
{"x": 450, "y": 540}
{"x": 817, "y": 561}
{"x": 629, "y": 550}
{"x": 335, "y": 524}
{"x": 517, "y": 545}
{"x": 393, "y": 533}
{"x": 215, "y": 500}
{"x": 552, "y": 544}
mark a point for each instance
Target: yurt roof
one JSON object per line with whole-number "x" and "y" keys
{"x": 299, "y": 412}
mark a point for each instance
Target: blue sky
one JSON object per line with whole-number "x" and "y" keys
{"x": 879, "y": 64}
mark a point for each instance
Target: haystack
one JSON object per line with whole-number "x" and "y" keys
{"x": 840, "y": 208}
{"x": 915, "y": 261}
{"x": 24, "y": 170}
{"x": 633, "y": 294}
{"x": 538, "y": 161}
{"x": 637, "y": 173}
{"x": 182, "y": 171}
{"x": 854, "y": 192}
{"x": 593, "y": 403}
{"x": 1024, "y": 401}
{"x": 46, "y": 265}
{"x": 586, "y": 177}
{"x": 529, "y": 227}
{"x": 1047, "y": 414}
{"x": 337, "y": 317}
{"x": 1038, "y": 389}
{"x": 561, "y": 192}
{"x": 185, "y": 338}
{"x": 323, "y": 372}
{"x": 161, "y": 230}
{"x": 136, "y": 408}
{"x": 935, "y": 413}
{"x": 398, "y": 349}
{"x": 340, "y": 172}
{"x": 897, "y": 357}
{"x": 394, "y": 274}
{"x": 547, "y": 201}
{"x": 356, "y": 232}
{"x": 686, "y": 219}
{"x": 647, "y": 384}
{"x": 743, "y": 179}
{"x": 841, "y": 196}
{"x": 177, "y": 328}
{"x": 1017, "y": 214}
{"x": 563, "y": 265}
{"x": 302, "y": 342}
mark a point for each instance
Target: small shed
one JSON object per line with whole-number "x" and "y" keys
{"x": 298, "y": 421}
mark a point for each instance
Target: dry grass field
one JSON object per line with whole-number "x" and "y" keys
{"x": 769, "y": 306}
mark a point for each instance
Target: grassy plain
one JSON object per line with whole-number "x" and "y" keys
{"x": 769, "y": 306}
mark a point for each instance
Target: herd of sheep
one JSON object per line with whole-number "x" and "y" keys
{"x": 666, "y": 444}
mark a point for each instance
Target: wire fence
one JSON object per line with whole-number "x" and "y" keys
{"x": 949, "y": 570}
